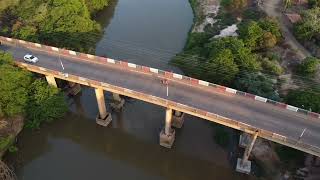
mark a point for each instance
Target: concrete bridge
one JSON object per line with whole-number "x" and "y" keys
{"x": 258, "y": 116}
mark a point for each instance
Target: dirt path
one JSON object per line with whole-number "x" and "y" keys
{"x": 273, "y": 9}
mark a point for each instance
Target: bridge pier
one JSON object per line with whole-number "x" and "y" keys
{"x": 118, "y": 102}
{"x": 51, "y": 80}
{"x": 244, "y": 165}
{"x": 74, "y": 89}
{"x": 103, "y": 118}
{"x": 167, "y": 135}
{"x": 177, "y": 119}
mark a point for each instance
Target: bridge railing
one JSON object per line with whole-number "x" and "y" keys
{"x": 295, "y": 143}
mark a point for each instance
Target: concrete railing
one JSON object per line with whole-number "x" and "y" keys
{"x": 164, "y": 102}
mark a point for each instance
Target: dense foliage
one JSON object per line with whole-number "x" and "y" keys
{"x": 232, "y": 60}
{"x": 309, "y": 27}
{"x": 45, "y": 105}
{"x": 62, "y": 23}
{"x": 22, "y": 94}
{"x": 309, "y": 66}
{"x": 14, "y": 84}
{"x": 234, "y": 4}
{"x": 306, "y": 99}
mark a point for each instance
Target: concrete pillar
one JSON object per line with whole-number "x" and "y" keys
{"x": 118, "y": 102}
{"x": 103, "y": 118}
{"x": 74, "y": 89}
{"x": 244, "y": 165}
{"x": 249, "y": 148}
{"x": 51, "y": 80}
{"x": 167, "y": 135}
{"x": 177, "y": 119}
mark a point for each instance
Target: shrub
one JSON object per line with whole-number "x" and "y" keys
{"x": 309, "y": 66}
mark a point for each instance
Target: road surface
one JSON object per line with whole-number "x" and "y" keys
{"x": 255, "y": 113}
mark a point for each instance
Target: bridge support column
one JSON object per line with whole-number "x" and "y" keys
{"x": 177, "y": 119}
{"x": 244, "y": 165}
{"x": 51, "y": 80}
{"x": 118, "y": 102}
{"x": 167, "y": 135}
{"x": 74, "y": 89}
{"x": 103, "y": 118}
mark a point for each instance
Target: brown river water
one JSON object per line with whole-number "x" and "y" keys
{"x": 146, "y": 32}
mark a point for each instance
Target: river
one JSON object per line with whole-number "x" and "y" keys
{"x": 146, "y": 32}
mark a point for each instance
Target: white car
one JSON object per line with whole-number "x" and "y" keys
{"x": 30, "y": 58}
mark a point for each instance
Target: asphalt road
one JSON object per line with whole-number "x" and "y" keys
{"x": 255, "y": 113}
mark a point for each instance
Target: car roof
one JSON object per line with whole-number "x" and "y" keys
{"x": 29, "y": 55}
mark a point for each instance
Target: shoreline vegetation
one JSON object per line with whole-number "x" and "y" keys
{"x": 26, "y": 100}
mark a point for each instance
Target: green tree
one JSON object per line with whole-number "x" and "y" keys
{"x": 309, "y": 66}
{"x": 314, "y": 3}
{"x": 256, "y": 84}
{"x": 306, "y": 99}
{"x": 271, "y": 25}
{"x": 14, "y": 85}
{"x": 46, "y": 104}
{"x": 234, "y": 4}
{"x": 243, "y": 56}
{"x": 221, "y": 68}
{"x": 252, "y": 34}
{"x": 272, "y": 66}
{"x": 309, "y": 26}
{"x": 96, "y": 5}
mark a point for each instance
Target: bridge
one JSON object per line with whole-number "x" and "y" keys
{"x": 179, "y": 95}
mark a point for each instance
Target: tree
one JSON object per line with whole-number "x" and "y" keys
{"x": 314, "y": 3}
{"x": 46, "y": 104}
{"x": 243, "y": 56}
{"x": 271, "y": 25}
{"x": 61, "y": 23}
{"x": 221, "y": 68}
{"x": 309, "y": 26}
{"x": 309, "y": 66}
{"x": 256, "y": 84}
{"x": 268, "y": 40}
{"x": 96, "y": 5}
{"x": 306, "y": 99}
{"x": 234, "y": 4}
{"x": 14, "y": 85}
{"x": 251, "y": 33}
{"x": 272, "y": 66}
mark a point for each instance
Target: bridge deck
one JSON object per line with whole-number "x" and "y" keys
{"x": 255, "y": 113}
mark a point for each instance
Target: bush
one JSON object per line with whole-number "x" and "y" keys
{"x": 257, "y": 84}
{"x": 309, "y": 66}
{"x": 309, "y": 26}
{"x": 272, "y": 67}
{"x": 46, "y": 104}
{"x": 234, "y": 4}
{"x": 306, "y": 99}
{"x": 252, "y": 14}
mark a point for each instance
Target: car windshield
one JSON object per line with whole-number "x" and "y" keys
{"x": 31, "y": 57}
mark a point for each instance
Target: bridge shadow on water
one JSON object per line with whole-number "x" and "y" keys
{"x": 110, "y": 144}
